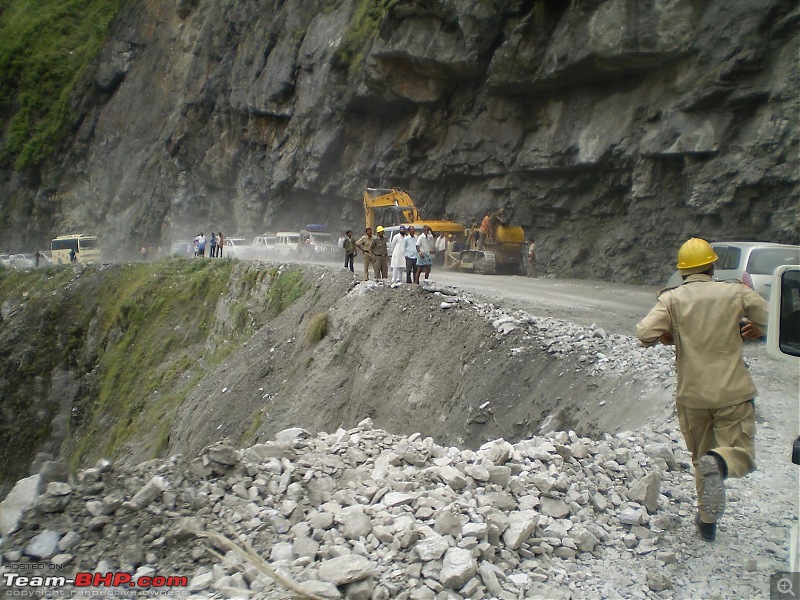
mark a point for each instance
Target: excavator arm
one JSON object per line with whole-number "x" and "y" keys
{"x": 388, "y": 207}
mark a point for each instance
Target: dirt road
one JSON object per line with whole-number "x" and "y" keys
{"x": 613, "y": 306}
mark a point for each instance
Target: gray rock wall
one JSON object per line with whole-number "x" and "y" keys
{"x": 610, "y": 129}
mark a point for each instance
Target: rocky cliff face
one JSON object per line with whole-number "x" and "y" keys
{"x": 610, "y": 129}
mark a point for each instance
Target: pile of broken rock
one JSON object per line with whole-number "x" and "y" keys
{"x": 365, "y": 514}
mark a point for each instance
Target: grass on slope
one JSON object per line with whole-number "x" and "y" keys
{"x": 45, "y": 46}
{"x": 133, "y": 338}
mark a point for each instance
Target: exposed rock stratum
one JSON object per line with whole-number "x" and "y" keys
{"x": 610, "y": 129}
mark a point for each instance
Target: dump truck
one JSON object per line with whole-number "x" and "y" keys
{"x": 503, "y": 254}
{"x": 389, "y": 207}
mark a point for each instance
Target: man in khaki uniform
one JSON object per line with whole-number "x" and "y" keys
{"x": 363, "y": 244}
{"x": 379, "y": 252}
{"x": 707, "y": 321}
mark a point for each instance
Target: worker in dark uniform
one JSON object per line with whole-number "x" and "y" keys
{"x": 707, "y": 320}
{"x": 349, "y": 245}
{"x": 379, "y": 252}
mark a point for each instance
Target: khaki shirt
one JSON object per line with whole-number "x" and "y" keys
{"x": 378, "y": 246}
{"x": 363, "y": 243}
{"x": 703, "y": 316}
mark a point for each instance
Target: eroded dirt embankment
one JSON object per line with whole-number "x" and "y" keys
{"x": 137, "y": 361}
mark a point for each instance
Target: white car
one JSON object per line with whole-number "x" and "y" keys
{"x": 23, "y": 261}
{"x": 752, "y": 263}
{"x": 235, "y": 247}
{"x": 287, "y": 243}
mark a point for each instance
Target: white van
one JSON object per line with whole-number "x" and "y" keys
{"x": 265, "y": 241}
{"x": 235, "y": 247}
{"x": 287, "y": 243}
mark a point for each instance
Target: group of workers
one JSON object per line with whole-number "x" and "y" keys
{"x": 408, "y": 252}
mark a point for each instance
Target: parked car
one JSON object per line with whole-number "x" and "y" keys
{"x": 265, "y": 242}
{"x": 23, "y": 261}
{"x": 287, "y": 243}
{"x": 5, "y": 260}
{"x": 182, "y": 248}
{"x": 752, "y": 263}
{"x": 317, "y": 244}
{"x": 234, "y": 247}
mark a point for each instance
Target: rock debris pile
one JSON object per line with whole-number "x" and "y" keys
{"x": 599, "y": 351}
{"x": 365, "y": 514}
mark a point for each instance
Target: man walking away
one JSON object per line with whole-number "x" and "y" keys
{"x": 424, "y": 249}
{"x": 363, "y": 244}
{"x": 531, "y": 258}
{"x": 379, "y": 251}
{"x": 349, "y": 245}
{"x": 707, "y": 320}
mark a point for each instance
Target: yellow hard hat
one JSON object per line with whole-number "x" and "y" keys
{"x": 695, "y": 253}
{"x": 379, "y": 229}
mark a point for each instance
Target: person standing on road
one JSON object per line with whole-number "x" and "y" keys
{"x": 441, "y": 247}
{"x": 37, "y": 257}
{"x": 379, "y": 252}
{"x": 220, "y": 244}
{"x": 398, "y": 263}
{"x": 707, "y": 320}
{"x": 213, "y": 244}
{"x": 363, "y": 244}
{"x": 410, "y": 253}
{"x": 349, "y": 245}
{"x": 425, "y": 244}
{"x": 531, "y": 258}
{"x": 201, "y": 244}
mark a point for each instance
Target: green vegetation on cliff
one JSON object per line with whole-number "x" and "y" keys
{"x": 45, "y": 46}
{"x": 367, "y": 17}
{"x": 93, "y": 360}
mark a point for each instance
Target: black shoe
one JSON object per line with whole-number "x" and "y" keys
{"x": 708, "y": 531}
{"x": 713, "y": 500}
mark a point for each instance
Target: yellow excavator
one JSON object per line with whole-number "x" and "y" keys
{"x": 502, "y": 254}
{"x": 389, "y": 207}
{"x": 393, "y": 207}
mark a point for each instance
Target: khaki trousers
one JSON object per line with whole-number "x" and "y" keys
{"x": 367, "y": 262}
{"x": 380, "y": 266}
{"x": 727, "y": 432}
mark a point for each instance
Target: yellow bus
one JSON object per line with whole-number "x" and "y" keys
{"x": 84, "y": 248}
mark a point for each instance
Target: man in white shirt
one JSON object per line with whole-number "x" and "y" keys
{"x": 441, "y": 246}
{"x": 410, "y": 252}
{"x": 425, "y": 249}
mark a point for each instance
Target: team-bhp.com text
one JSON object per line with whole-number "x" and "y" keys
{"x": 95, "y": 580}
